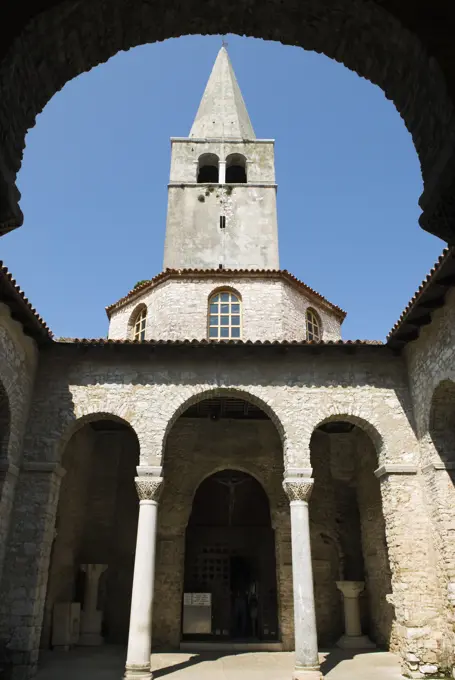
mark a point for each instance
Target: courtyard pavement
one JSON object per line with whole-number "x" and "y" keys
{"x": 107, "y": 663}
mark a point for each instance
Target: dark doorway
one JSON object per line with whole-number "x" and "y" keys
{"x": 230, "y": 555}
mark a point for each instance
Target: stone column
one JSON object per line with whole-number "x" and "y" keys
{"x": 91, "y": 616}
{"x": 140, "y": 632}
{"x": 222, "y": 172}
{"x": 298, "y": 490}
{"x": 353, "y": 638}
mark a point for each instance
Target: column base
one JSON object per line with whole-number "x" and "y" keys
{"x": 138, "y": 673}
{"x": 355, "y": 642}
{"x": 307, "y": 674}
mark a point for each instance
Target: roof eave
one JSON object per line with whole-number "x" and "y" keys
{"x": 429, "y": 297}
{"x": 21, "y": 308}
{"x": 222, "y": 274}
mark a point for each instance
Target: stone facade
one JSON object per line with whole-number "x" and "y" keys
{"x": 17, "y": 370}
{"x": 298, "y": 390}
{"x": 272, "y": 309}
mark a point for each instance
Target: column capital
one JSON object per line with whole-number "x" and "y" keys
{"x": 298, "y": 488}
{"x": 93, "y": 569}
{"x": 350, "y": 588}
{"x": 148, "y": 488}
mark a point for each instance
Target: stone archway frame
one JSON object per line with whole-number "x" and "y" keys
{"x": 235, "y": 468}
{"x": 177, "y": 403}
{"x": 443, "y": 394}
{"x": 393, "y": 438}
{"x": 357, "y": 33}
{"x": 181, "y": 403}
{"x": 79, "y": 420}
{"x": 363, "y": 424}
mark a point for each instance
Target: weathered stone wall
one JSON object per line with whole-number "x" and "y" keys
{"x": 271, "y": 310}
{"x": 195, "y": 240}
{"x": 430, "y": 361}
{"x": 149, "y": 388}
{"x": 18, "y": 362}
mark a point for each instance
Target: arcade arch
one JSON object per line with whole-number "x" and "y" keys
{"x": 442, "y": 420}
{"x": 95, "y": 525}
{"x": 440, "y": 481}
{"x": 348, "y": 531}
{"x": 222, "y": 439}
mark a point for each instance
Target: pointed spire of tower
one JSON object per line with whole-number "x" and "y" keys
{"x": 222, "y": 112}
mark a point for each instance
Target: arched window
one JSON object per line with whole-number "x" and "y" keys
{"x": 207, "y": 169}
{"x": 139, "y": 323}
{"x": 235, "y": 169}
{"x": 313, "y": 326}
{"x": 224, "y": 316}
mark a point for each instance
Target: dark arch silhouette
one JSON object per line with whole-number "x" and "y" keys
{"x": 208, "y": 168}
{"x": 385, "y": 47}
{"x": 236, "y": 169}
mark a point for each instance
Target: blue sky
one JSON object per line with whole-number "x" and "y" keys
{"x": 96, "y": 166}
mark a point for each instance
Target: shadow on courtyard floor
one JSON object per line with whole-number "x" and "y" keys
{"x": 107, "y": 663}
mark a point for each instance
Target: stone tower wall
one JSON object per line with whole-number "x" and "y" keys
{"x": 194, "y": 238}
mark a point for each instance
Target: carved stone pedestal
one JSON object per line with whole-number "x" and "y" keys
{"x": 352, "y": 638}
{"x": 91, "y": 617}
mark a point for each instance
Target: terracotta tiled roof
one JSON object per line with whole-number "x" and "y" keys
{"x": 99, "y": 342}
{"x": 429, "y": 296}
{"x": 224, "y": 274}
{"x": 20, "y": 306}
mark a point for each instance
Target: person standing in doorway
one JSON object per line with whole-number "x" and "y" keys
{"x": 240, "y": 613}
{"x": 253, "y": 608}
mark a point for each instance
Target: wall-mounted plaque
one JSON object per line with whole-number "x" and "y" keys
{"x": 201, "y": 599}
{"x": 197, "y": 613}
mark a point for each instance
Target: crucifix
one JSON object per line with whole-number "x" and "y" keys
{"x": 231, "y": 483}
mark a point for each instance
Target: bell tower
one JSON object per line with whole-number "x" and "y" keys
{"x": 222, "y": 193}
